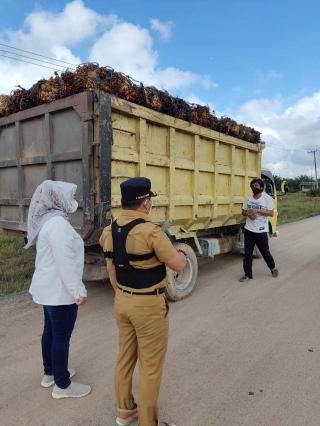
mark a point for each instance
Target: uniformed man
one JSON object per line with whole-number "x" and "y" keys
{"x": 137, "y": 252}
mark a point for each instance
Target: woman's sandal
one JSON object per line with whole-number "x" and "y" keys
{"x": 166, "y": 424}
{"x": 128, "y": 421}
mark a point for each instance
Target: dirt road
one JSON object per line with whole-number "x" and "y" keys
{"x": 227, "y": 340}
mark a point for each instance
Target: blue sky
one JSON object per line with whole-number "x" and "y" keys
{"x": 255, "y": 60}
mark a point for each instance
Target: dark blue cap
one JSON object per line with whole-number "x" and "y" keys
{"x": 135, "y": 189}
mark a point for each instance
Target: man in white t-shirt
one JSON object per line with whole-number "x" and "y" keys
{"x": 257, "y": 208}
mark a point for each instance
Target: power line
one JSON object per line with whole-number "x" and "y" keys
{"x": 28, "y": 62}
{"x": 37, "y": 54}
{"x": 33, "y": 59}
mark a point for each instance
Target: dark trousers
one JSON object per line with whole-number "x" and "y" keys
{"x": 261, "y": 240}
{"x": 58, "y": 326}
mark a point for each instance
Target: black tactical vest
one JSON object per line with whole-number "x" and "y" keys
{"x": 126, "y": 274}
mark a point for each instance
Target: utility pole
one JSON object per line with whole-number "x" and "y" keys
{"x": 314, "y": 151}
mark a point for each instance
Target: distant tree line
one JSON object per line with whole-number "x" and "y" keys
{"x": 293, "y": 183}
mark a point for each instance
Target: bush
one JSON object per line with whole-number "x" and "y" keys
{"x": 16, "y": 264}
{"x": 314, "y": 193}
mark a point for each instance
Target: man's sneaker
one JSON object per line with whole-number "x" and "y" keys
{"x": 244, "y": 279}
{"x": 74, "y": 390}
{"x": 48, "y": 381}
{"x": 275, "y": 273}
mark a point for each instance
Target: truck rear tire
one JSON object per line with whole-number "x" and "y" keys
{"x": 181, "y": 285}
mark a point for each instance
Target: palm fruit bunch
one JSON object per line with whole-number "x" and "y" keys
{"x": 49, "y": 90}
{"x": 201, "y": 115}
{"x": 160, "y": 100}
{"x": 133, "y": 92}
{"x": 85, "y": 77}
{"x": 252, "y": 135}
{"x": 4, "y": 104}
{"x": 91, "y": 76}
{"x": 116, "y": 84}
{"x": 14, "y": 103}
{"x": 183, "y": 109}
{"x": 123, "y": 86}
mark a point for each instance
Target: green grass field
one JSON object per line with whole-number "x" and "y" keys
{"x": 17, "y": 264}
{"x": 295, "y": 206}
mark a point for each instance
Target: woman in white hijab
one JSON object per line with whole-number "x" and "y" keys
{"x": 57, "y": 280}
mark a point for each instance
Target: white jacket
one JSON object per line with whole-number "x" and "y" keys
{"x": 57, "y": 279}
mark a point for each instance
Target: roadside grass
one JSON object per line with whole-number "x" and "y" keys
{"x": 296, "y": 206}
{"x": 16, "y": 264}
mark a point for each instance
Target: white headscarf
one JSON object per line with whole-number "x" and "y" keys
{"x": 50, "y": 199}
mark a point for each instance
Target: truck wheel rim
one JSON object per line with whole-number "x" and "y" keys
{"x": 182, "y": 280}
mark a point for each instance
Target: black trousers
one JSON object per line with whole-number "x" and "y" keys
{"x": 261, "y": 240}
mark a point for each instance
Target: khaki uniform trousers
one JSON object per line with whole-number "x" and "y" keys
{"x": 143, "y": 335}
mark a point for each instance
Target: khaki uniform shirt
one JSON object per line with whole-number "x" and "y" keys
{"x": 142, "y": 239}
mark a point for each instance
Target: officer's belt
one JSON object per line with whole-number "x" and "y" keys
{"x": 148, "y": 293}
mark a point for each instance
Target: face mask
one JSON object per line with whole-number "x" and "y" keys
{"x": 256, "y": 190}
{"x": 74, "y": 206}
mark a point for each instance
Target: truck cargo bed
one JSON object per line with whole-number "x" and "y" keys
{"x": 97, "y": 140}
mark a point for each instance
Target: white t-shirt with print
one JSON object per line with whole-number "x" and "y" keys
{"x": 260, "y": 223}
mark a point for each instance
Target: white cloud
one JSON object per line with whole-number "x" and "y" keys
{"x": 134, "y": 57}
{"x": 109, "y": 40}
{"x": 261, "y": 110}
{"x": 173, "y": 78}
{"x": 51, "y": 35}
{"x": 163, "y": 28}
{"x": 139, "y": 59}
{"x": 73, "y": 25}
{"x": 289, "y": 132}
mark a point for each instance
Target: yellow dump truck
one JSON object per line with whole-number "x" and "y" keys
{"x": 97, "y": 140}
